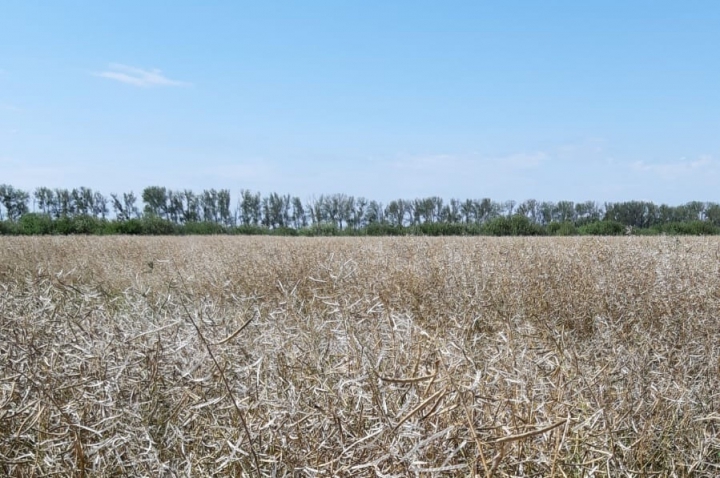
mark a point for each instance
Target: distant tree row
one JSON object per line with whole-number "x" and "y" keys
{"x": 165, "y": 211}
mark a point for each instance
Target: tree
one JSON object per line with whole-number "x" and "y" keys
{"x": 547, "y": 211}
{"x": 299, "y": 218}
{"x": 486, "y": 209}
{"x": 191, "y": 208}
{"x": 395, "y": 212}
{"x": 637, "y": 214}
{"x": 99, "y": 205}
{"x": 712, "y": 213}
{"x": 250, "y": 208}
{"x": 83, "y": 200}
{"x": 276, "y": 211}
{"x": 467, "y": 211}
{"x": 45, "y": 198}
{"x": 375, "y": 213}
{"x": 156, "y": 201}
{"x": 564, "y": 212}
{"x": 510, "y": 207}
{"x": 125, "y": 209}
{"x": 314, "y": 209}
{"x": 358, "y": 213}
{"x": 175, "y": 206}
{"x": 14, "y": 200}
{"x": 455, "y": 215}
{"x": 530, "y": 209}
{"x": 209, "y": 205}
{"x": 64, "y": 204}
{"x": 223, "y": 207}
{"x": 695, "y": 211}
{"x": 587, "y": 212}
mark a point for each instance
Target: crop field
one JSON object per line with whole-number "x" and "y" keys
{"x": 267, "y": 356}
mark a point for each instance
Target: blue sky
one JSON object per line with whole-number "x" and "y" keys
{"x": 594, "y": 100}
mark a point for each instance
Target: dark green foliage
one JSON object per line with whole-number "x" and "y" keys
{"x": 34, "y": 224}
{"x": 516, "y": 225}
{"x": 87, "y": 225}
{"x": 201, "y": 228}
{"x": 9, "y": 228}
{"x": 248, "y": 230}
{"x": 383, "y": 229}
{"x": 562, "y": 229}
{"x": 284, "y": 231}
{"x": 325, "y": 229}
{"x": 130, "y": 227}
{"x": 500, "y": 226}
{"x": 155, "y": 226}
{"x": 164, "y": 211}
{"x": 691, "y": 228}
{"x": 602, "y": 228}
{"x": 440, "y": 229}
{"x": 66, "y": 225}
{"x": 15, "y": 201}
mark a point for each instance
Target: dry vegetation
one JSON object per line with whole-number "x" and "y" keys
{"x": 359, "y": 357}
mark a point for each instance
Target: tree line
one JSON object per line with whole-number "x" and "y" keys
{"x": 159, "y": 210}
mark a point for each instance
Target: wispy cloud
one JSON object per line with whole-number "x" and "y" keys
{"x": 671, "y": 170}
{"x": 138, "y": 77}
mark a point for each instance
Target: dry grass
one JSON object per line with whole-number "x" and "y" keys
{"x": 359, "y": 357}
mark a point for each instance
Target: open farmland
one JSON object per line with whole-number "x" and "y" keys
{"x": 190, "y": 356}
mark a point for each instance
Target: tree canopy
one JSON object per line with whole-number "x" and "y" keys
{"x": 159, "y": 210}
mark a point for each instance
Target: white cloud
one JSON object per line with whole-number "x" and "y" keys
{"x": 673, "y": 169}
{"x": 138, "y": 77}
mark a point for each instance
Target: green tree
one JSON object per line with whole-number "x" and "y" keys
{"x": 223, "y": 207}
{"x": 99, "y": 205}
{"x": 250, "y": 208}
{"x": 126, "y": 208}
{"x": 156, "y": 201}
{"x": 45, "y": 199}
{"x": 299, "y": 217}
{"x": 191, "y": 207}
{"x": 395, "y": 212}
{"x": 14, "y": 200}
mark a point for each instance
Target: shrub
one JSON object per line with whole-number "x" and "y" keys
{"x": 9, "y": 228}
{"x": 129, "y": 227}
{"x": 325, "y": 229}
{"x": 380, "y": 229}
{"x": 201, "y": 228}
{"x": 562, "y": 229}
{"x": 441, "y": 229}
{"x": 500, "y": 226}
{"x": 284, "y": 231}
{"x": 690, "y": 228}
{"x": 248, "y": 230}
{"x": 603, "y": 228}
{"x": 517, "y": 225}
{"x": 155, "y": 226}
{"x": 86, "y": 225}
{"x": 35, "y": 224}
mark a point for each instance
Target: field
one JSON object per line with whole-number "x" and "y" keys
{"x": 190, "y": 356}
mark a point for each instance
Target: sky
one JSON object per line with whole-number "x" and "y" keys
{"x": 555, "y": 100}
